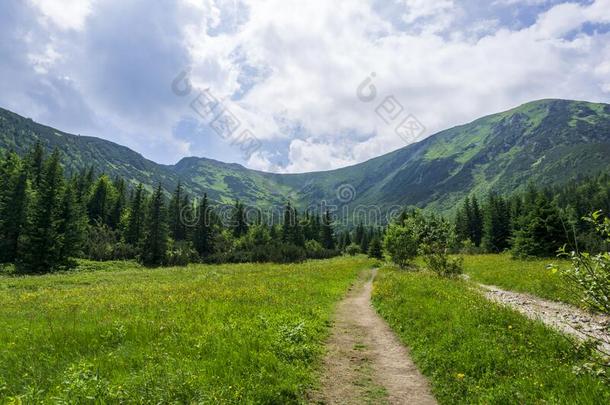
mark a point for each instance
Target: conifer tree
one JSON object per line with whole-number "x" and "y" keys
{"x": 35, "y": 161}
{"x": 326, "y": 232}
{"x": 155, "y": 242}
{"x": 135, "y": 224}
{"x": 101, "y": 201}
{"x": 238, "y": 220}
{"x": 118, "y": 205}
{"x": 13, "y": 211}
{"x": 359, "y": 234}
{"x": 364, "y": 242}
{"x": 72, "y": 225}
{"x": 176, "y": 207}
{"x": 476, "y": 222}
{"x": 542, "y": 232}
{"x": 375, "y": 248}
{"x": 42, "y": 246}
{"x": 203, "y": 238}
{"x": 496, "y": 224}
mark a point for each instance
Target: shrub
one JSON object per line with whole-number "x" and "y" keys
{"x": 181, "y": 253}
{"x": 352, "y": 249}
{"x": 401, "y": 244}
{"x": 375, "y": 249}
{"x": 437, "y": 260}
{"x": 590, "y": 274}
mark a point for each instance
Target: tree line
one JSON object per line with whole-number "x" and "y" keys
{"x": 536, "y": 222}
{"x": 48, "y": 219}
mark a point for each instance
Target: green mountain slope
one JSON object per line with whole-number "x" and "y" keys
{"x": 546, "y": 142}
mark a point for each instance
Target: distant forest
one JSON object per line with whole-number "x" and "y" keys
{"x": 48, "y": 219}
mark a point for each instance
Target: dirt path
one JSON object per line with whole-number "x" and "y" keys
{"x": 563, "y": 317}
{"x": 365, "y": 363}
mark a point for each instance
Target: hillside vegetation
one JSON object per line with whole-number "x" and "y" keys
{"x": 547, "y": 142}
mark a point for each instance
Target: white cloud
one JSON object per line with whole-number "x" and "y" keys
{"x": 290, "y": 69}
{"x": 65, "y": 14}
{"x": 318, "y": 53}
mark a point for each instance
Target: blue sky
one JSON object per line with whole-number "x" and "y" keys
{"x": 289, "y": 70}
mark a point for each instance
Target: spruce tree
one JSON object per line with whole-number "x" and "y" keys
{"x": 359, "y": 234}
{"x": 135, "y": 224}
{"x": 203, "y": 238}
{"x": 72, "y": 226}
{"x": 118, "y": 205}
{"x": 42, "y": 242}
{"x": 497, "y": 228}
{"x": 476, "y": 222}
{"x": 375, "y": 248}
{"x": 155, "y": 242}
{"x": 326, "y": 233}
{"x": 176, "y": 207}
{"x": 543, "y": 232}
{"x": 238, "y": 220}
{"x": 101, "y": 201}
{"x": 35, "y": 161}
{"x": 13, "y": 211}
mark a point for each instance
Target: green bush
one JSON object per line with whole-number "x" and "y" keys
{"x": 376, "y": 249}
{"x": 590, "y": 274}
{"x": 401, "y": 244}
{"x": 352, "y": 249}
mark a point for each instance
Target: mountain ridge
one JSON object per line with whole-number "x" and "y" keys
{"x": 547, "y": 141}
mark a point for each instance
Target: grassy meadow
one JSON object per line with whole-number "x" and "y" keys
{"x": 476, "y": 351}
{"x": 250, "y": 333}
{"x": 528, "y": 276}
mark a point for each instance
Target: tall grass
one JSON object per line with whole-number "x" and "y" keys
{"x": 229, "y": 333}
{"x": 528, "y": 276}
{"x": 476, "y": 351}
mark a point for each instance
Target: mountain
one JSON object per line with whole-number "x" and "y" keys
{"x": 546, "y": 142}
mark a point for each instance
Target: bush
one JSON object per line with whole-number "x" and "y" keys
{"x": 401, "y": 244}
{"x": 181, "y": 253}
{"x": 429, "y": 236}
{"x": 376, "y": 249}
{"x": 437, "y": 260}
{"x": 352, "y": 249}
{"x": 590, "y": 274}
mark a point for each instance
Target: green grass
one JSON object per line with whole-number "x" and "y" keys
{"x": 229, "y": 333}
{"x": 475, "y": 351}
{"x": 528, "y": 276}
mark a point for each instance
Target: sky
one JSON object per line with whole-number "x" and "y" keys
{"x": 287, "y": 85}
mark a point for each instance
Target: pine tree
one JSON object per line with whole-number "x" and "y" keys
{"x": 118, "y": 205}
{"x": 35, "y": 161}
{"x": 13, "y": 211}
{"x": 176, "y": 207}
{"x": 288, "y": 223}
{"x": 375, "y": 248}
{"x": 72, "y": 226}
{"x": 476, "y": 222}
{"x": 326, "y": 233}
{"x": 542, "y": 232}
{"x": 462, "y": 220}
{"x": 135, "y": 224}
{"x": 364, "y": 242}
{"x": 42, "y": 241}
{"x": 203, "y": 238}
{"x": 155, "y": 242}
{"x": 359, "y": 234}
{"x": 238, "y": 220}
{"x": 497, "y": 228}
{"x": 101, "y": 201}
